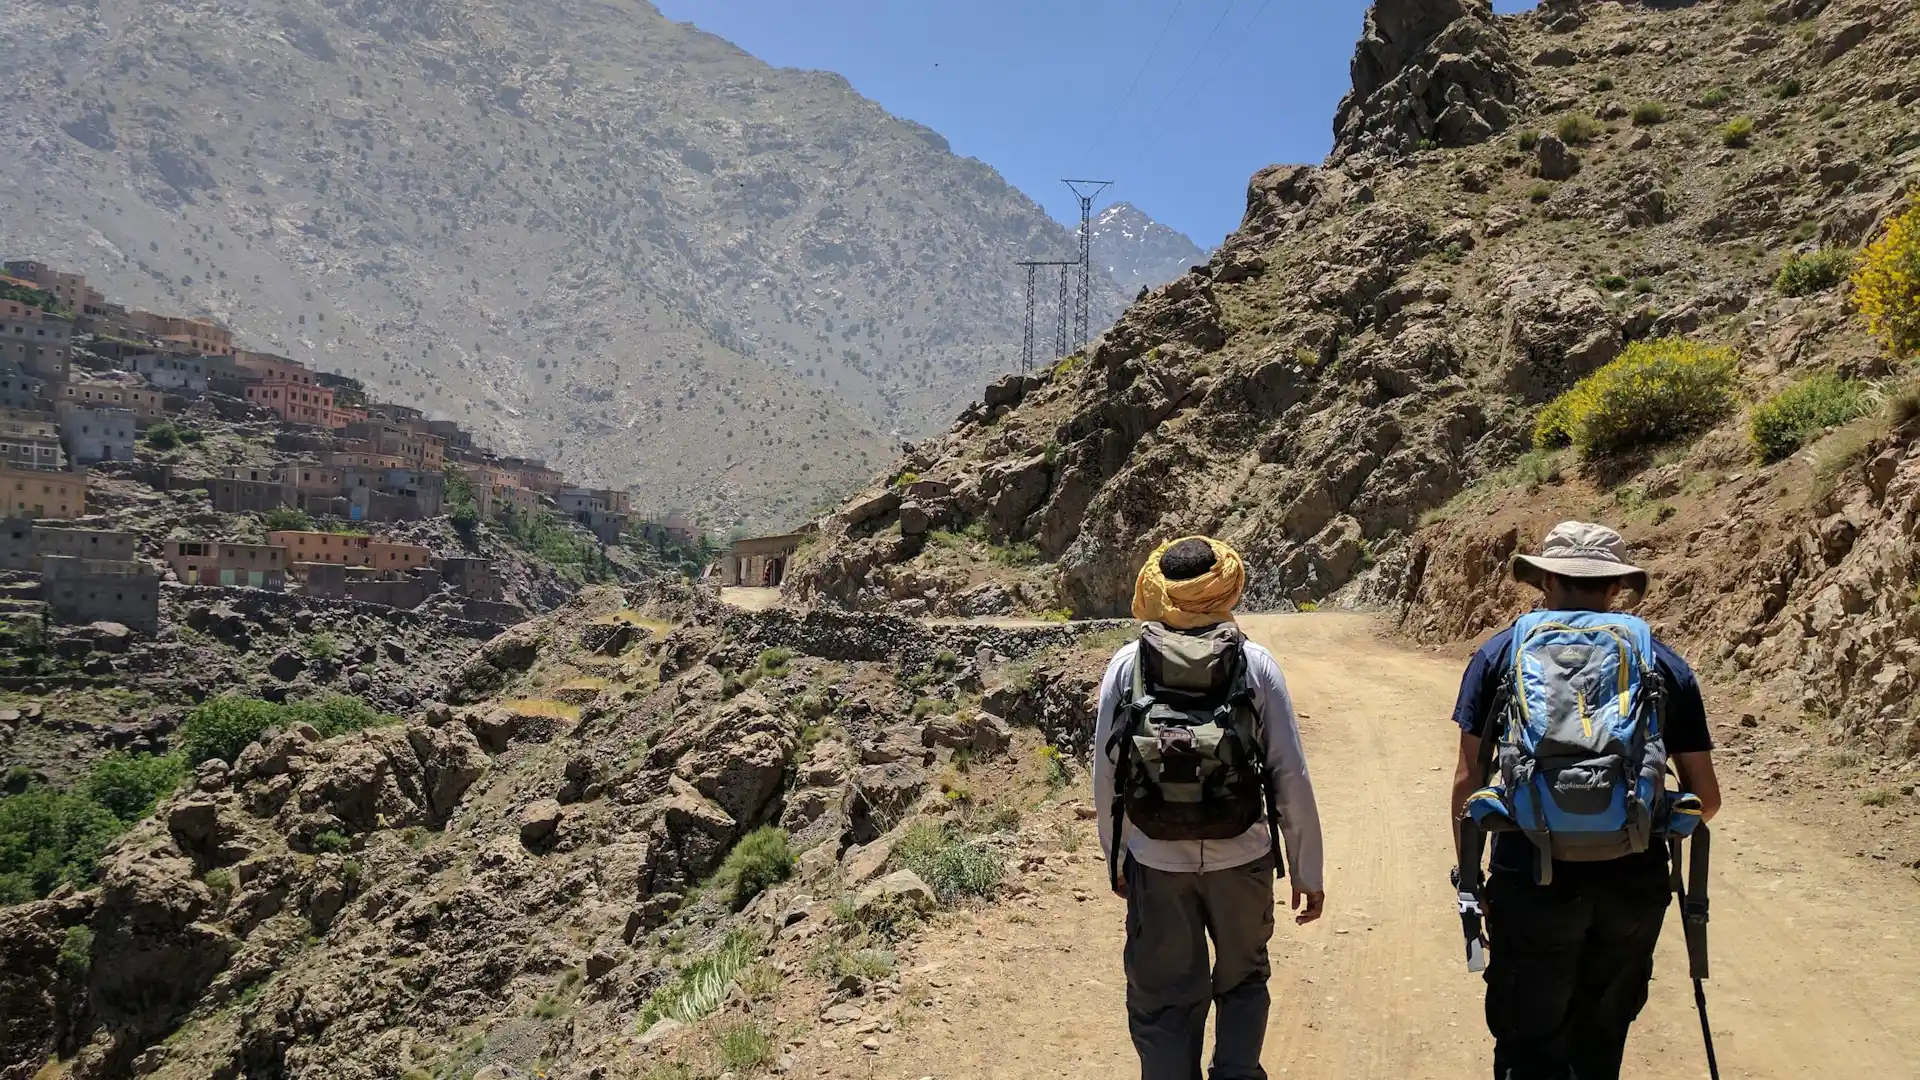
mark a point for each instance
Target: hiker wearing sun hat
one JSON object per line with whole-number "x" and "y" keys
{"x": 1198, "y": 758}
{"x": 1568, "y": 719}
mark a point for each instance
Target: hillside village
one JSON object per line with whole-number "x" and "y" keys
{"x": 94, "y": 394}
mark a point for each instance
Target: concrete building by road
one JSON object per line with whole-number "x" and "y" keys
{"x": 760, "y": 562}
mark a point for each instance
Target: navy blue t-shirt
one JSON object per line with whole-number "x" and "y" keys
{"x": 1686, "y": 727}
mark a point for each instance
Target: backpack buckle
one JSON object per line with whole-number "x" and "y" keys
{"x": 1176, "y": 742}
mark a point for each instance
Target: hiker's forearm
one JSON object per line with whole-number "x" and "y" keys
{"x": 1697, "y": 776}
{"x": 1464, "y": 784}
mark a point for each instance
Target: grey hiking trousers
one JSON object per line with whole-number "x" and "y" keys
{"x": 1170, "y": 916}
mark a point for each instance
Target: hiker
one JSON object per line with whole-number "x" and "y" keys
{"x": 1578, "y": 883}
{"x": 1197, "y": 754}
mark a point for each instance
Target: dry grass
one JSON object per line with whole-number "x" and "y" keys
{"x": 546, "y": 707}
{"x": 658, "y": 627}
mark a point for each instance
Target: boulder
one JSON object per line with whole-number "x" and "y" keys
{"x": 864, "y": 862}
{"x": 871, "y": 506}
{"x": 1554, "y": 160}
{"x": 900, "y": 888}
{"x": 737, "y": 758}
{"x": 914, "y": 520}
{"x": 539, "y": 821}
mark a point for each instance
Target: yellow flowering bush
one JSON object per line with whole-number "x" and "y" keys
{"x": 1886, "y": 284}
{"x": 1655, "y": 391}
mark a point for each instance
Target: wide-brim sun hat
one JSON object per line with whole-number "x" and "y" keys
{"x": 1578, "y": 549}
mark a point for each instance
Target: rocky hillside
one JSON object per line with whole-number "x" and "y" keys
{"x": 1138, "y": 252}
{"x": 1348, "y": 390}
{"x": 582, "y": 230}
{"x": 549, "y": 877}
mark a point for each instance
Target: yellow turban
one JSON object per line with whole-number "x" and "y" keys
{"x": 1194, "y": 603}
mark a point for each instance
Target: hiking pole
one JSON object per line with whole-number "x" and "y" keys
{"x": 1693, "y": 914}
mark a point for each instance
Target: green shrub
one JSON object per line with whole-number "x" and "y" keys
{"x": 1540, "y": 192}
{"x": 1656, "y": 390}
{"x": 76, "y": 952}
{"x": 286, "y": 518}
{"x": 163, "y": 435}
{"x": 1603, "y": 84}
{"x": 1055, "y": 764}
{"x": 1827, "y": 112}
{"x": 1737, "y": 132}
{"x": 1648, "y": 113}
{"x": 1786, "y": 88}
{"x": 1020, "y": 554}
{"x": 221, "y": 727}
{"x": 50, "y": 838}
{"x": 1528, "y": 140}
{"x": 1801, "y": 275}
{"x": 1613, "y": 283}
{"x": 953, "y": 866}
{"x": 701, "y": 985}
{"x": 218, "y": 879}
{"x": 320, "y": 646}
{"x": 1579, "y": 130}
{"x": 761, "y": 860}
{"x": 332, "y": 842}
{"x": 1058, "y": 615}
{"x": 745, "y": 1045}
{"x": 773, "y": 662}
{"x": 1716, "y": 97}
{"x": 128, "y": 785}
{"x": 906, "y": 478}
{"x": 1795, "y": 416}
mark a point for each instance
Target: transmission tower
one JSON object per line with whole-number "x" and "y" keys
{"x": 1033, "y": 285}
{"x": 1026, "y": 346}
{"x": 1086, "y": 191}
{"x": 1060, "y": 316}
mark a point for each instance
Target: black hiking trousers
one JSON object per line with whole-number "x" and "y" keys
{"x": 1171, "y": 986}
{"x": 1569, "y": 966}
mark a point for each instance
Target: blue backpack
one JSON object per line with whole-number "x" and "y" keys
{"x": 1582, "y": 747}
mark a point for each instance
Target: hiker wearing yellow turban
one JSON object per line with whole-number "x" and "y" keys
{"x": 1195, "y": 603}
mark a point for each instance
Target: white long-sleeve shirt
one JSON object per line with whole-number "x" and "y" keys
{"x": 1286, "y": 761}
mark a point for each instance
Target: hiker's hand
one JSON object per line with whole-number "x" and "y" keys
{"x": 1316, "y": 902}
{"x": 1120, "y": 888}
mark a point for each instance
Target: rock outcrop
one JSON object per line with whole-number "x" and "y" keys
{"x": 1427, "y": 73}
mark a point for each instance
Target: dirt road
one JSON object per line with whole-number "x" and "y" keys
{"x": 1817, "y": 957}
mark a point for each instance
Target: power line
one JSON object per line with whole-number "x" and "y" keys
{"x": 1135, "y": 85}
{"x": 1194, "y": 59}
{"x": 1238, "y": 41}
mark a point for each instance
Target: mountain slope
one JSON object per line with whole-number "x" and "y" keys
{"x": 1347, "y": 389}
{"x": 1138, "y": 252}
{"x": 585, "y": 230}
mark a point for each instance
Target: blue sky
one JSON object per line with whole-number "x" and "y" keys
{"x": 1177, "y": 101}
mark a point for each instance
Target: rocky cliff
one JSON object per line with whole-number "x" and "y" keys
{"x": 1344, "y": 389}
